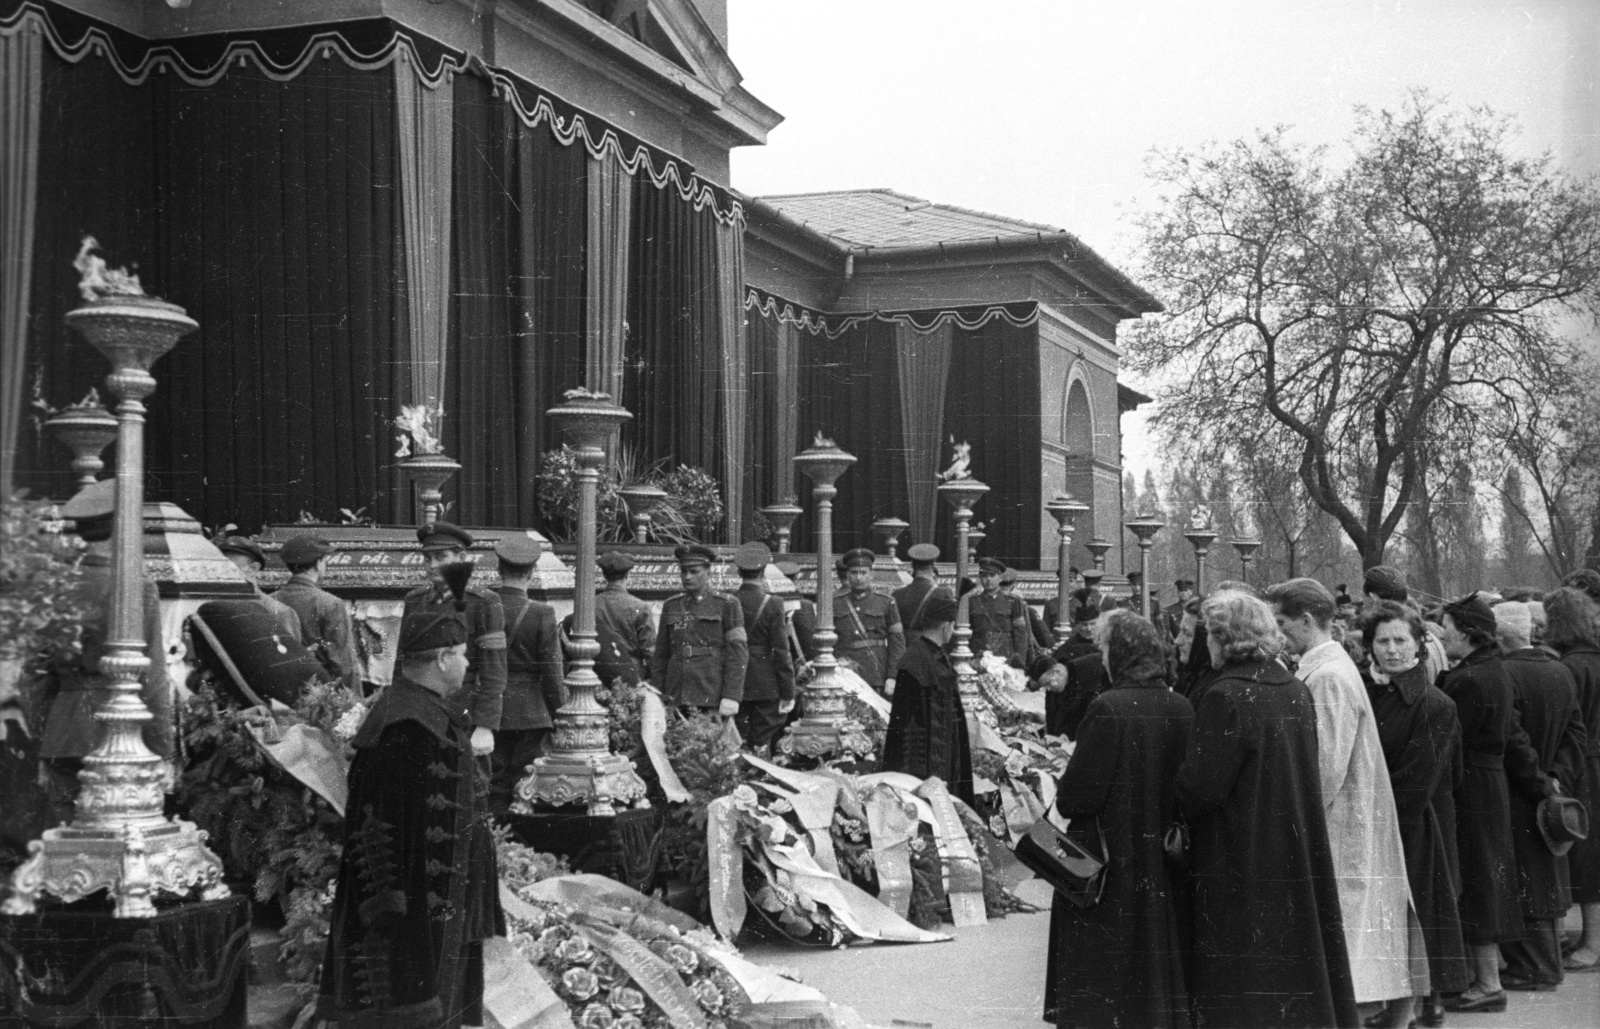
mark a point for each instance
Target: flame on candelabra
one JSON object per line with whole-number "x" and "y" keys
{"x": 1201, "y": 519}
{"x": 97, "y": 281}
{"x": 960, "y": 463}
{"x": 416, "y": 423}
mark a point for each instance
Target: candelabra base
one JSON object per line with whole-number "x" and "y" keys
{"x": 601, "y": 781}
{"x": 132, "y": 863}
{"x": 825, "y": 732}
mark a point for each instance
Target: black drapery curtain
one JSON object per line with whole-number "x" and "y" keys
{"x": 672, "y": 357}
{"x": 278, "y": 233}
{"x": 992, "y": 402}
{"x": 516, "y": 311}
{"x": 96, "y": 178}
{"x": 766, "y": 485}
{"x": 850, "y": 391}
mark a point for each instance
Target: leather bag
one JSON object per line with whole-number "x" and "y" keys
{"x": 1066, "y": 865}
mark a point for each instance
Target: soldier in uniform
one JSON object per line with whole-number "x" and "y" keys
{"x": 701, "y": 653}
{"x": 802, "y": 618}
{"x": 484, "y": 686}
{"x": 325, "y": 624}
{"x": 868, "y": 624}
{"x": 534, "y": 690}
{"x": 1043, "y": 641}
{"x": 999, "y": 621}
{"x": 621, "y": 624}
{"x": 1172, "y": 615}
{"x": 250, "y": 559}
{"x": 769, "y": 677}
{"x": 924, "y": 578}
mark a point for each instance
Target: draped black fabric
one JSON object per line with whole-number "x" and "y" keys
{"x": 96, "y": 177}
{"x": 517, "y": 304}
{"x": 672, "y": 356}
{"x": 992, "y": 402}
{"x": 850, "y": 392}
{"x": 766, "y": 485}
{"x": 278, "y": 229}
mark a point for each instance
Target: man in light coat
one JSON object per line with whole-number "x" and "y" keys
{"x": 1358, "y": 802}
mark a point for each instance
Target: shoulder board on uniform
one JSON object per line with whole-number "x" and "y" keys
{"x": 417, "y": 591}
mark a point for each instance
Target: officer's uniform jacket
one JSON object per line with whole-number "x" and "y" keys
{"x": 870, "y": 634}
{"x": 626, "y": 637}
{"x": 324, "y": 623}
{"x": 999, "y": 625}
{"x": 534, "y": 690}
{"x": 483, "y": 689}
{"x": 701, "y": 650}
{"x": 908, "y": 600}
{"x": 803, "y": 620}
{"x": 770, "y": 673}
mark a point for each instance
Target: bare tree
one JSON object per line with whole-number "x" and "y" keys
{"x": 1351, "y": 314}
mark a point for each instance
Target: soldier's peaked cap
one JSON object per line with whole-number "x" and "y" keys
{"x": 444, "y": 536}
{"x": 305, "y": 550}
{"x": 860, "y": 557}
{"x": 518, "y": 549}
{"x": 240, "y": 545}
{"x": 1008, "y": 576}
{"x": 693, "y": 554}
{"x": 752, "y": 557}
{"x": 423, "y": 631}
{"x": 788, "y": 569}
{"x": 614, "y": 562}
{"x": 991, "y": 564}
{"x": 923, "y": 552}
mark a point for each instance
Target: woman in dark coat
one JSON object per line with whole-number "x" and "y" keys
{"x": 1489, "y": 907}
{"x": 1570, "y": 629}
{"x": 1268, "y": 944}
{"x": 1118, "y": 963}
{"x": 1421, "y": 741}
{"x": 927, "y": 734}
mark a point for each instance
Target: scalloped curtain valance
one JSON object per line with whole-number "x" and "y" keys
{"x": 1017, "y": 314}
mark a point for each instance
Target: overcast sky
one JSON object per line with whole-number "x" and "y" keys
{"x": 1046, "y": 109}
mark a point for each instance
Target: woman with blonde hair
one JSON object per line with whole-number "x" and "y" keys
{"x": 1268, "y": 944}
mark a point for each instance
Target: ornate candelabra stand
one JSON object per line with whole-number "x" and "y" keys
{"x": 1065, "y": 510}
{"x": 119, "y": 840}
{"x": 962, "y": 495}
{"x": 1200, "y": 537}
{"x": 86, "y": 430}
{"x": 820, "y": 729}
{"x": 975, "y": 536}
{"x": 429, "y": 472}
{"x": 1247, "y": 555}
{"x": 580, "y": 767}
{"x": 1098, "y": 549}
{"x": 642, "y": 502}
{"x": 781, "y": 516}
{"x": 1145, "y": 526}
{"x": 890, "y": 529}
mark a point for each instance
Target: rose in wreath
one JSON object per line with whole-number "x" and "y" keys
{"x": 628, "y": 1022}
{"x": 682, "y": 958}
{"x": 580, "y": 983}
{"x": 625, "y": 1000}
{"x": 596, "y": 1016}
{"x": 709, "y": 995}
{"x": 575, "y": 950}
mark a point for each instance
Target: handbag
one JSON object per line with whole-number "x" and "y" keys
{"x": 1065, "y": 864}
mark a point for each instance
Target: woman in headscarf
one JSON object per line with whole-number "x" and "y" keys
{"x": 1268, "y": 944}
{"x": 1570, "y": 630}
{"x": 927, "y": 734}
{"x": 1421, "y": 741}
{"x": 1119, "y": 963}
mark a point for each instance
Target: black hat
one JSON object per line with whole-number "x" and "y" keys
{"x": 240, "y": 545}
{"x": 991, "y": 564}
{"x": 1183, "y": 584}
{"x": 90, "y": 510}
{"x": 860, "y": 557}
{"x": 1386, "y": 583}
{"x": 422, "y": 631}
{"x": 752, "y": 557}
{"x": 923, "y": 553}
{"x": 1563, "y": 821}
{"x": 937, "y": 607}
{"x": 444, "y": 536}
{"x": 299, "y": 551}
{"x": 615, "y": 564}
{"x": 1088, "y": 608}
{"x": 1135, "y": 576}
{"x": 518, "y": 550}
{"x": 1471, "y": 612}
{"x": 693, "y": 554}
{"x": 1092, "y": 576}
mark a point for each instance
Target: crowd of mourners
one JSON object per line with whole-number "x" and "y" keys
{"x": 1323, "y": 812}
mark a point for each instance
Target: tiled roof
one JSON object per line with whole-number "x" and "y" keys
{"x": 882, "y": 218}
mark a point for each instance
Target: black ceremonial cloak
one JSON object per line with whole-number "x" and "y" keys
{"x": 416, "y": 892}
{"x": 927, "y": 733}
